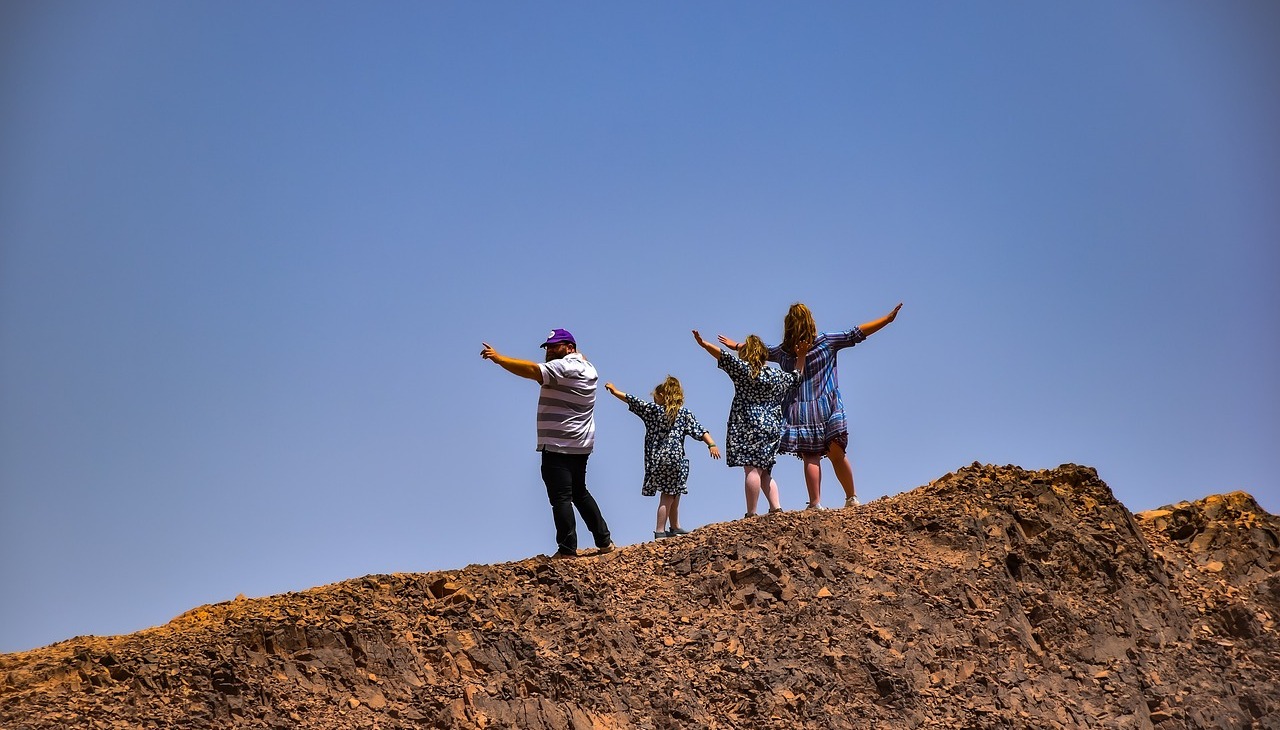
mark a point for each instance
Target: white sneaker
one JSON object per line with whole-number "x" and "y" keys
{"x": 852, "y": 502}
{"x": 815, "y": 506}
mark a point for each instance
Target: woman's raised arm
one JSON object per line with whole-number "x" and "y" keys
{"x": 876, "y": 325}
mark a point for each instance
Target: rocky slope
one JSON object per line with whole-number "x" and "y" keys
{"x": 994, "y": 597}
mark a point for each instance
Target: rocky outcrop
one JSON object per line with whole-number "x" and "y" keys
{"x": 993, "y": 597}
{"x": 1225, "y": 553}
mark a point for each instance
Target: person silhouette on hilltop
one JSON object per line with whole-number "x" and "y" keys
{"x": 566, "y": 435}
{"x": 666, "y": 424}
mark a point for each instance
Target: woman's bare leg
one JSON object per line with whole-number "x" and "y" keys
{"x": 843, "y": 469}
{"x": 813, "y": 477}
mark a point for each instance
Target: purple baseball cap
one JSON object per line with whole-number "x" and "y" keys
{"x": 558, "y": 335}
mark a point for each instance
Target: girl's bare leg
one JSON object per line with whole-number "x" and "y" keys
{"x": 771, "y": 494}
{"x": 843, "y": 469}
{"x": 673, "y": 510}
{"x": 664, "y": 506}
{"x": 752, "y": 487}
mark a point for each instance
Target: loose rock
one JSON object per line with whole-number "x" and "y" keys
{"x": 994, "y": 597}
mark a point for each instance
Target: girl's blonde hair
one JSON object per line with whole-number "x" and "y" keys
{"x": 753, "y": 353}
{"x": 672, "y": 396}
{"x": 797, "y": 327}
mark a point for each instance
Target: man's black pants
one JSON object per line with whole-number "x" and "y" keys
{"x": 566, "y": 478}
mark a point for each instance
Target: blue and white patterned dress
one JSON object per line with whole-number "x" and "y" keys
{"x": 755, "y": 416}
{"x": 666, "y": 469}
{"x": 813, "y": 414}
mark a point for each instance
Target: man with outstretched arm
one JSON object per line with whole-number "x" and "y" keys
{"x": 566, "y": 434}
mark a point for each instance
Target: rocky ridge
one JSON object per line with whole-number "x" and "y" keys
{"x": 993, "y": 597}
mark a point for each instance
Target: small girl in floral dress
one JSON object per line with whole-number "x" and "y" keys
{"x": 666, "y": 470}
{"x": 755, "y": 417}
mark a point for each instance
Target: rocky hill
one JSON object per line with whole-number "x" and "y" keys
{"x": 992, "y": 598}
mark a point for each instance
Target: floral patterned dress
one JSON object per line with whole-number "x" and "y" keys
{"x": 755, "y": 416}
{"x": 666, "y": 469}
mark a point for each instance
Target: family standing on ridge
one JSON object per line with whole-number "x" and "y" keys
{"x": 795, "y": 410}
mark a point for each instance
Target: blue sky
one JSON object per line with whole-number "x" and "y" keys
{"x": 249, "y": 252}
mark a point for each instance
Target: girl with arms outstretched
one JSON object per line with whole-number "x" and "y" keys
{"x": 755, "y": 416}
{"x": 666, "y": 470}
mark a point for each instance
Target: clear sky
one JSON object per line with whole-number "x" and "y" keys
{"x": 249, "y": 252}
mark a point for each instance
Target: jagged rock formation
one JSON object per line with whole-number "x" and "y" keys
{"x": 993, "y": 597}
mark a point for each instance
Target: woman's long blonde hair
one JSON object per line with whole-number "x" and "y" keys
{"x": 671, "y": 395}
{"x": 753, "y": 353}
{"x": 797, "y": 327}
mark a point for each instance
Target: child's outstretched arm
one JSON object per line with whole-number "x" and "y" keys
{"x": 802, "y": 352}
{"x": 616, "y": 393}
{"x": 711, "y": 444}
{"x": 876, "y": 325}
{"x": 710, "y": 348}
{"x": 728, "y": 342}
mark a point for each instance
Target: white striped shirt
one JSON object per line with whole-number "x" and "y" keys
{"x": 566, "y": 405}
